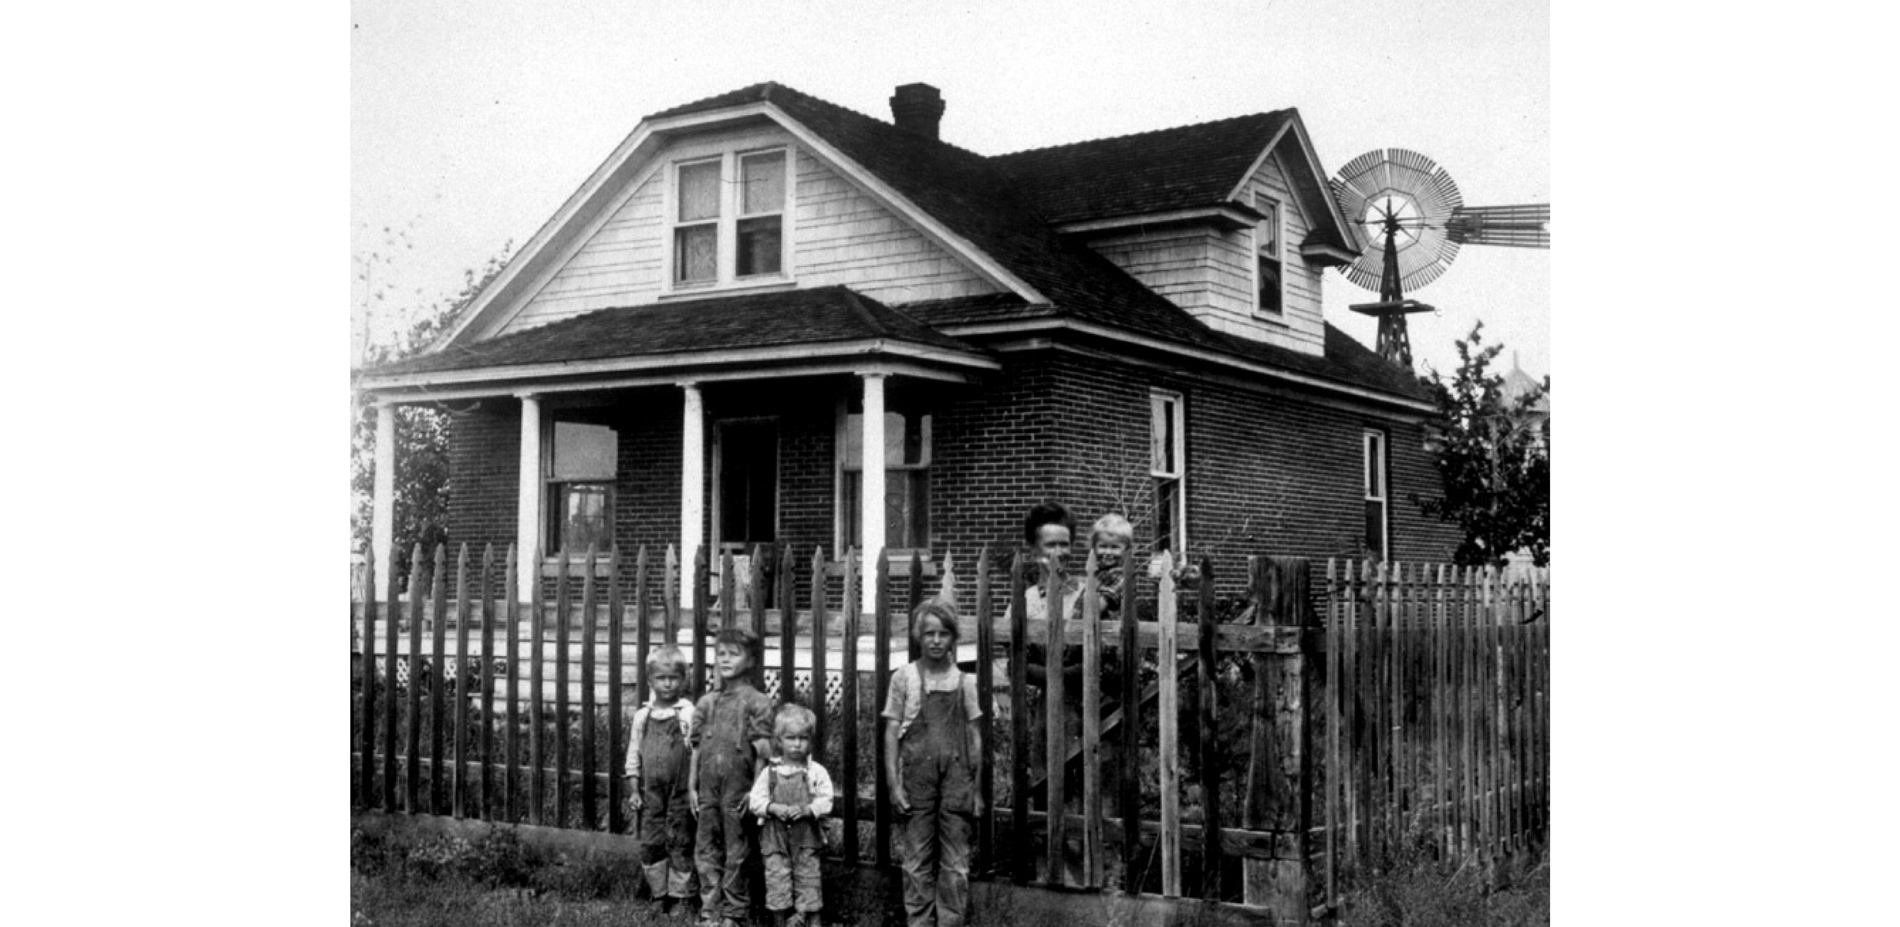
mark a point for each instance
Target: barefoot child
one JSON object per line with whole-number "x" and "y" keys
{"x": 731, "y": 739}
{"x": 932, "y": 749}
{"x": 657, "y": 779}
{"x": 792, "y": 797}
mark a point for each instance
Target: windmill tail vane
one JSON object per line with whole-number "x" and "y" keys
{"x": 1524, "y": 226}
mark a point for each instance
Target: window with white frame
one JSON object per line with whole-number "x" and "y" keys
{"x": 1267, "y": 237}
{"x": 1378, "y": 530}
{"x": 581, "y": 465}
{"x": 906, "y": 478}
{"x": 1167, "y": 465}
{"x": 728, "y": 218}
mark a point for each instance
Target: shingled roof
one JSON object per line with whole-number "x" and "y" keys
{"x": 1006, "y": 207}
{"x": 815, "y": 316}
{"x": 1179, "y": 168}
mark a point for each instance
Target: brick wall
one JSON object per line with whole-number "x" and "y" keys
{"x": 1267, "y": 473}
{"x": 484, "y": 475}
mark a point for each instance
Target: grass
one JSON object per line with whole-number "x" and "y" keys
{"x": 1417, "y": 892}
{"x": 500, "y": 881}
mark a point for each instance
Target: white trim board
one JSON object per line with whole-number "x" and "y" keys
{"x": 1032, "y": 325}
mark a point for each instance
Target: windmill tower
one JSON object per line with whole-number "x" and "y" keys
{"x": 1414, "y": 217}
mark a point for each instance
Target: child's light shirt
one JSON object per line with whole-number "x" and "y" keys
{"x": 680, "y": 708}
{"x": 816, "y": 778}
{"x": 908, "y": 685}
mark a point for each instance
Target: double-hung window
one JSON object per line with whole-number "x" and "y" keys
{"x": 1267, "y": 237}
{"x": 728, "y": 218}
{"x": 906, "y": 479}
{"x": 581, "y": 487}
{"x": 1378, "y": 531}
{"x": 1167, "y": 466}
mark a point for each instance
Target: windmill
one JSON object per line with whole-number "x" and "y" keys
{"x": 1412, "y": 213}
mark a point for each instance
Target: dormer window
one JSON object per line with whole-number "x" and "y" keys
{"x": 729, "y": 218}
{"x": 1267, "y": 236}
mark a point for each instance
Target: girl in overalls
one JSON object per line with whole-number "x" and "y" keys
{"x": 933, "y": 747}
{"x": 657, "y": 774}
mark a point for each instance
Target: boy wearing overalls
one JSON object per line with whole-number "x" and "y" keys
{"x": 731, "y": 740}
{"x": 657, "y": 774}
{"x": 932, "y": 747}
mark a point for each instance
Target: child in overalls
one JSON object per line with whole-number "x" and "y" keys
{"x": 933, "y": 748}
{"x": 657, "y": 774}
{"x": 791, "y": 798}
{"x": 731, "y": 740}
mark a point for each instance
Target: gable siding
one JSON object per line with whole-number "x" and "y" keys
{"x": 845, "y": 237}
{"x": 1210, "y": 273}
{"x": 619, "y": 266}
{"x": 1301, "y": 326}
{"x": 840, "y": 236}
{"x": 1173, "y": 262}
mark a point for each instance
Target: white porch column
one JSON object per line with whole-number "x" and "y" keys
{"x": 528, "y": 517}
{"x": 692, "y": 487}
{"x": 382, "y": 507}
{"x": 871, "y": 500}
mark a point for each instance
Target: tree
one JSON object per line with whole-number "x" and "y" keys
{"x": 422, "y": 479}
{"x": 1494, "y": 459}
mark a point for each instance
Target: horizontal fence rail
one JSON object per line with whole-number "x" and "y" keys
{"x": 1147, "y": 736}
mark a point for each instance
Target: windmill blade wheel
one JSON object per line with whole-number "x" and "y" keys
{"x": 1408, "y": 186}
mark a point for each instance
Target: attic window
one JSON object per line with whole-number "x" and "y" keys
{"x": 728, "y": 218}
{"x": 1267, "y": 235}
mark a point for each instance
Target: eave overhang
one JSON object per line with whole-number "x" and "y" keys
{"x": 767, "y": 363}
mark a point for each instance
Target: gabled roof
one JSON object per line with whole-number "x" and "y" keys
{"x": 804, "y": 317}
{"x": 1147, "y": 172}
{"x": 1003, "y": 209}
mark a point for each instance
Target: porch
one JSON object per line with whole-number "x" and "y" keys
{"x": 715, "y": 423}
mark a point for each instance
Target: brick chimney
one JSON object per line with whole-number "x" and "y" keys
{"x": 917, "y": 108}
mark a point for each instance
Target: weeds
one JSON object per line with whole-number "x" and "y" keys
{"x": 1413, "y": 890}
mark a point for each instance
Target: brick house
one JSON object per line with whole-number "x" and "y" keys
{"x": 690, "y": 344}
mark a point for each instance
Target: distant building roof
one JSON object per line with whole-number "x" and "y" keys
{"x": 1518, "y": 383}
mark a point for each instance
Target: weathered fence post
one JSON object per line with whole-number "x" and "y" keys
{"x": 848, "y": 714}
{"x": 366, "y": 744}
{"x": 1280, "y": 769}
{"x": 458, "y": 779}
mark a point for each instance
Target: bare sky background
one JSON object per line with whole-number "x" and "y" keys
{"x": 471, "y": 121}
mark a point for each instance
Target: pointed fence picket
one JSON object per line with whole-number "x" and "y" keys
{"x": 1423, "y": 692}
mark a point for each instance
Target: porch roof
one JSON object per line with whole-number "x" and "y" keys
{"x": 696, "y": 332}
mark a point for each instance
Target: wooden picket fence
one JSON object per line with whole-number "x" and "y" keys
{"x": 475, "y": 699}
{"x": 1436, "y": 714}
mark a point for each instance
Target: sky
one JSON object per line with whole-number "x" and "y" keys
{"x": 471, "y": 121}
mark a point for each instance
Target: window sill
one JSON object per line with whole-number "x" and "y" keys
{"x": 700, "y": 291}
{"x": 1272, "y": 318}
